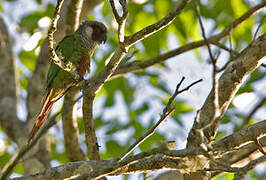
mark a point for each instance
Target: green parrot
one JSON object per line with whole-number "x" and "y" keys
{"x": 77, "y": 49}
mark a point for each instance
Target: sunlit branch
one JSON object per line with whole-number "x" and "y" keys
{"x": 140, "y": 65}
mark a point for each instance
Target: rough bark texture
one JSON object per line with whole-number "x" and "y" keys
{"x": 70, "y": 128}
{"x": 228, "y": 84}
{"x": 8, "y": 91}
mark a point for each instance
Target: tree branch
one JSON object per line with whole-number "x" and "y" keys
{"x": 66, "y": 67}
{"x": 166, "y": 112}
{"x": 91, "y": 139}
{"x": 174, "y": 159}
{"x": 149, "y": 30}
{"x": 14, "y": 128}
{"x": 229, "y": 82}
{"x": 154, "y": 160}
{"x": 70, "y": 128}
{"x": 72, "y": 145}
{"x": 73, "y": 15}
{"x": 253, "y": 111}
{"x": 140, "y": 65}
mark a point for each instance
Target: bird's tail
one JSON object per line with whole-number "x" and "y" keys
{"x": 42, "y": 115}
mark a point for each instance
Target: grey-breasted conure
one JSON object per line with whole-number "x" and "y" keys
{"x": 78, "y": 49}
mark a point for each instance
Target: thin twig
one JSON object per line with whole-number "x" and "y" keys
{"x": 253, "y": 111}
{"x": 230, "y": 43}
{"x": 216, "y": 108}
{"x": 203, "y": 31}
{"x": 259, "y": 27}
{"x": 166, "y": 112}
{"x": 140, "y": 65}
{"x": 121, "y": 20}
{"x": 220, "y": 45}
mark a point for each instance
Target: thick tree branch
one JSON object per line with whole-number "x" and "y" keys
{"x": 8, "y": 91}
{"x": 241, "y": 137}
{"x": 175, "y": 159}
{"x": 91, "y": 139}
{"x": 143, "y": 162}
{"x": 70, "y": 128}
{"x": 229, "y": 82}
{"x": 73, "y": 15}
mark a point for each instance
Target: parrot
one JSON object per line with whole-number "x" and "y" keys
{"x": 76, "y": 48}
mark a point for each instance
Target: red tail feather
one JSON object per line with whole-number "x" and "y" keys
{"x": 42, "y": 116}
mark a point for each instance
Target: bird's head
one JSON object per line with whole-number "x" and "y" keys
{"x": 94, "y": 30}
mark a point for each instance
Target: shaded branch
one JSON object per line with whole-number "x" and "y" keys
{"x": 175, "y": 159}
{"x": 231, "y": 51}
{"x": 229, "y": 82}
{"x": 14, "y": 128}
{"x": 70, "y": 128}
{"x": 244, "y": 170}
{"x": 91, "y": 139}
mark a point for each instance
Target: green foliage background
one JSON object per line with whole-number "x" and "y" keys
{"x": 123, "y": 94}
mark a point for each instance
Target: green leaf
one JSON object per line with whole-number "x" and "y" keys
{"x": 30, "y": 22}
{"x": 19, "y": 168}
{"x": 162, "y": 8}
{"x": 180, "y": 108}
{"x": 226, "y": 119}
{"x": 60, "y": 157}
{"x": 39, "y": 1}
{"x": 121, "y": 84}
{"x": 159, "y": 85}
{"x": 28, "y": 58}
{"x": 114, "y": 149}
{"x": 255, "y": 76}
{"x": 151, "y": 142}
{"x": 220, "y": 134}
{"x": 4, "y": 159}
{"x": 135, "y": 113}
{"x": 186, "y": 27}
{"x": 115, "y": 126}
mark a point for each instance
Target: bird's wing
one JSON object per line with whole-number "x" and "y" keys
{"x": 64, "y": 50}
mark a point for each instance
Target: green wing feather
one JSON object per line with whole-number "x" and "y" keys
{"x": 65, "y": 49}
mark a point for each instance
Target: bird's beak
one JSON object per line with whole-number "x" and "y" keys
{"x": 104, "y": 39}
